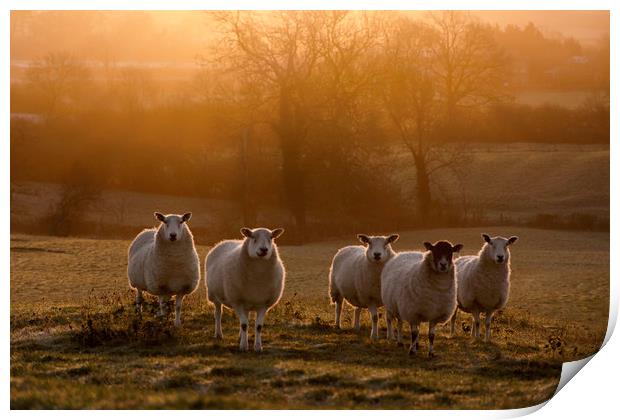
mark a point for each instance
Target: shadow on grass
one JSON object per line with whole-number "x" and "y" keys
{"x": 291, "y": 343}
{"x": 304, "y": 357}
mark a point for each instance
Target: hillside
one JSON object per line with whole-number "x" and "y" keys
{"x": 517, "y": 182}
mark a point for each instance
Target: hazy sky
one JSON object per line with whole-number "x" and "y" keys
{"x": 180, "y": 36}
{"x": 587, "y": 26}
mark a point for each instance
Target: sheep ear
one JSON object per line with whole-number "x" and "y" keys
{"x": 363, "y": 238}
{"x": 276, "y": 233}
{"x": 160, "y": 216}
{"x": 457, "y": 248}
{"x": 428, "y": 246}
{"x": 486, "y": 238}
{"x": 246, "y": 232}
{"x": 512, "y": 240}
{"x": 392, "y": 238}
{"x": 186, "y": 217}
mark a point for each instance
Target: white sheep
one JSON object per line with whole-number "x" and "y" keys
{"x": 420, "y": 287}
{"x": 483, "y": 282}
{"x": 245, "y": 275}
{"x": 355, "y": 276}
{"x": 164, "y": 262}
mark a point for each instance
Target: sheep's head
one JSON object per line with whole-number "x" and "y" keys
{"x": 171, "y": 227}
{"x": 442, "y": 255}
{"x": 497, "y": 248}
{"x": 260, "y": 241}
{"x": 378, "y": 248}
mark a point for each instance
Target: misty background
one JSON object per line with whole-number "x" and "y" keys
{"x": 325, "y": 123}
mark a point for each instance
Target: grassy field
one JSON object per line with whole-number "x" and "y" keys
{"x": 520, "y": 180}
{"x": 77, "y": 343}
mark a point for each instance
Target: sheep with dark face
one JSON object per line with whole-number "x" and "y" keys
{"x": 355, "y": 276}
{"x": 483, "y": 282}
{"x": 164, "y": 262}
{"x": 247, "y": 276}
{"x": 420, "y": 287}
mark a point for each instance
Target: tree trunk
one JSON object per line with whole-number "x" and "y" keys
{"x": 248, "y": 211}
{"x": 294, "y": 185}
{"x": 423, "y": 192}
{"x": 451, "y": 121}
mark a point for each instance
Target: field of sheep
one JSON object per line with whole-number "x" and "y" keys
{"x": 76, "y": 341}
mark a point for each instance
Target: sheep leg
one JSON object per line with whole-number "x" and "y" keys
{"x": 177, "y": 310}
{"x": 163, "y": 305}
{"x": 487, "y": 326}
{"x": 453, "y": 322}
{"x": 243, "y": 328}
{"x": 475, "y": 331}
{"x": 258, "y": 326}
{"x": 390, "y": 330}
{"x": 374, "y": 332}
{"x": 356, "y": 322}
{"x": 431, "y": 338}
{"x": 218, "y": 320}
{"x": 139, "y": 300}
{"x": 415, "y": 329}
{"x": 399, "y": 330}
{"x": 338, "y": 312}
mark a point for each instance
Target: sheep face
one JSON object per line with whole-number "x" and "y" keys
{"x": 171, "y": 227}
{"x": 378, "y": 248}
{"x": 260, "y": 241}
{"x": 442, "y": 255}
{"x": 497, "y": 248}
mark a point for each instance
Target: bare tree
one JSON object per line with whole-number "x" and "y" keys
{"x": 277, "y": 53}
{"x": 348, "y": 43}
{"x": 55, "y": 75}
{"x": 430, "y": 71}
{"x": 468, "y": 64}
{"x": 340, "y": 110}
{"x": 411, "y": 100}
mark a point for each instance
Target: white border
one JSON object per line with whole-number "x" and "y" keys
{"x": 593, "y": 394}
{"x": 308, "y": 4}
